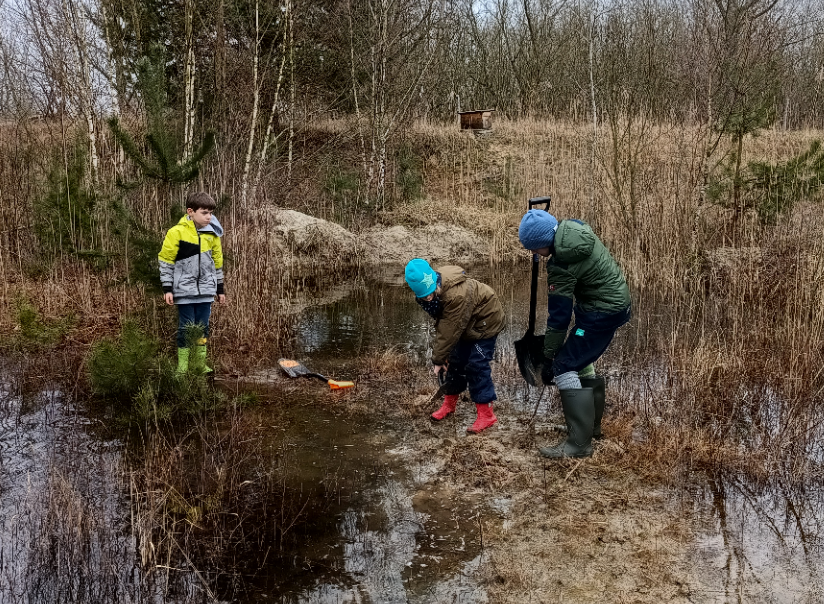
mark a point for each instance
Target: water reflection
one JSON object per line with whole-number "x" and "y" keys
{"x": 62, "y": 506}
{"x": 353, "y": 531}
{"x": 762, "y": 544}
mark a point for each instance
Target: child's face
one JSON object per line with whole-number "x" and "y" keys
{"x": 429, "y": 298}
{"x": 541, "y": 251}
{"x": 200, "y": 217}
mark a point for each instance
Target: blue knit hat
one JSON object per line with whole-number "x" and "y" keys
{"x": 537, "y": 229}
{"x": 421, "y": 277}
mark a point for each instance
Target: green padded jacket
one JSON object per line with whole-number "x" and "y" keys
{"x": 581, "y": 271}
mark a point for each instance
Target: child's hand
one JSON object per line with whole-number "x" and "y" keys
{"x": 221, "y": 298}
{"x": 169, "y": 297}
{"x": 437, "y": 369}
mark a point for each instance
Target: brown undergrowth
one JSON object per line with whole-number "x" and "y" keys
{"x": 720, "y": 369}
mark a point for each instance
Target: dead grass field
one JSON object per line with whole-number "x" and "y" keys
{"x": 732, "y": 337}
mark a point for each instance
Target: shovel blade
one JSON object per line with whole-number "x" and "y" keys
{"x": 293, "y": 368}
{"x": 529, "y": 351}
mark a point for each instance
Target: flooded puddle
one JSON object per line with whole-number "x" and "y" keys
{"x": 356, "y": 526}
{"x": 63, "y": 514}
{"x": 351, "y": 519}
{"x": 760, "y": 544}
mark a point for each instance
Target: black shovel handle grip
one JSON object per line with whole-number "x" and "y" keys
{"x": 536, "y": 201}
{"x": 533, "y": 295}
{"x": 315, "y": 375}
{"x": 441, "y": 377}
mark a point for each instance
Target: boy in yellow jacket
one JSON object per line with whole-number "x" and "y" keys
{"x": 191, "y": 273}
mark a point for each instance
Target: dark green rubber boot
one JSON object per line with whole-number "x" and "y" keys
{"x": 579, "y": 413}
{"x": 599, "y": 392}
{"x": 598, "y": 385}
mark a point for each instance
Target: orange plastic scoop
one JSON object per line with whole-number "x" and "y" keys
{"x": 295, "y": 369}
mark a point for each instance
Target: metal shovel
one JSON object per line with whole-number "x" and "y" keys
{"x": 529, "y": 350}
{"x": 295, "y": 369}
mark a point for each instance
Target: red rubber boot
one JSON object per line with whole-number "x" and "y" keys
{"x": 448, "y": 407}
{"x": 486, "y": 419}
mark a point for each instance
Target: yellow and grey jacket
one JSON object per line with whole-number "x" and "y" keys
{"x": 191, "y": 262}
{"x": 471, "y": 311}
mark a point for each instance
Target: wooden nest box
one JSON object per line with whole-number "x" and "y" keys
{"x": 476, "y": 120}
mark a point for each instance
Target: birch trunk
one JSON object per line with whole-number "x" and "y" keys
{"x": 83, "y": 84}
{"x": 390, "y": 94}
{"x": 247, "y": 163}
{"x": 355, "y": 95}
{"x": 267, "y": 137}
{"x": 116, "y": 83}
{"x": 292, "y": 96}
{"x": 189, "y": 82}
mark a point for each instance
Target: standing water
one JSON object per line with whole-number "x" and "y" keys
{"x": 346, "y": 516}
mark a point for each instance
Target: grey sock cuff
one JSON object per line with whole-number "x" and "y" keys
{"x": 568, "y": 381}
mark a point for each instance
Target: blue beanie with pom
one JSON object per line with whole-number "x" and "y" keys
{"x": 537, "y": 229}
{"x": 421, "y": 277}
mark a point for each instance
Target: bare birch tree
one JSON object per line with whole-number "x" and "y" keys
{"x": 393, "y": 43}
{"x": 62, "y": 68}
{"x": 189, "y": 79}
{"x": 257, "y": 153}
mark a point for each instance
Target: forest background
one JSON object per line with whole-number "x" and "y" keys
{"x": 681, "y": 130}
{"x": 347, "y": 110}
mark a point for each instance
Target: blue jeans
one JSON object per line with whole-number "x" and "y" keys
{"x": 192, "y": 314}
{"x": 469, "y": 366}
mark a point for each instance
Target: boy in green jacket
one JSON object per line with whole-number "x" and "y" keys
{"x": 468, "y": 318}
{"x": 582, "y": 276}
{"x": 191, "y": 273}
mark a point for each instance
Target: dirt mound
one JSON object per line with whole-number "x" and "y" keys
{"x": 304, "y": 239}
{"x": 438, "y": 243}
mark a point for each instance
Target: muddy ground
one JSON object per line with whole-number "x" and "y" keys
{"x": 588, "y": 530}
{"x": 611, "y": 528}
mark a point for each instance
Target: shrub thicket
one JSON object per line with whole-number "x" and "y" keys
{"x": 36, "y": 332}
{"x": 129, "y": 371}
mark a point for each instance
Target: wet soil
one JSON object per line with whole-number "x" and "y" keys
{"x": 375, "y": 503}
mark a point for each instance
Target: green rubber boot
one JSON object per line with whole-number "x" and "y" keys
{"x": 599, "y": 392}
{"x": 182, "y": 361}
{"x": 598, "y": 385}
{"x": 200, "y": 352}
{"x": 579, "y": 413}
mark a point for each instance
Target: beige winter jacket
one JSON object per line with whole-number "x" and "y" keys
{"x": 471, "y": 311}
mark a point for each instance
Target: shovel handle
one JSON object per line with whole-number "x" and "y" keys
{"x": 533, "y": 286}
{"x": 338, "y": 385}
{"x": 536, "y": 201}
{"x": 533, "y": 296}
{"x": 333, "y": 384}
